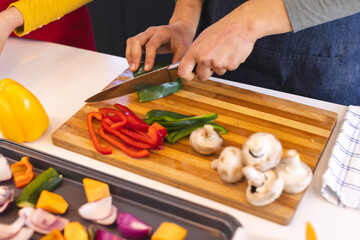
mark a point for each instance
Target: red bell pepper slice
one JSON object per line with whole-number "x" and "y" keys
{"x": 137, "y": 135}
{"x": 157, "y": 133}
{"x": 118, "y": 118}
{"x": 132, "y": 152}
{"x": 134, "y": 122}
{"x": 22, "y": 172}
{"x": 126, "y": 139}
{"x": 104, "y": 150}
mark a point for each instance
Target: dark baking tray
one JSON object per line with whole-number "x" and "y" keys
{"x": 152, "y": 207}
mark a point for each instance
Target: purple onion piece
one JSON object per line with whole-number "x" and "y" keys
{"x": 5, "y": 170}
{"x": 101, "y": 234}
{"x": 131, "y": 227}
{"x": 6, "y": 197}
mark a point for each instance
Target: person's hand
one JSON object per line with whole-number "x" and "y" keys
{"x": 174, "y": 38}
{"x": 9, "y": 20}
{"x": 226, "y": 44}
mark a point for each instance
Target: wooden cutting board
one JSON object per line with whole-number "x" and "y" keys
{"x": 243, "y": 112}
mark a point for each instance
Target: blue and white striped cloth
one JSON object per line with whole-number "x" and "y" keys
{"x": 341, "y": 181}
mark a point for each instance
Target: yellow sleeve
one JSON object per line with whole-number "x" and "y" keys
{"x": 37, "y": 13}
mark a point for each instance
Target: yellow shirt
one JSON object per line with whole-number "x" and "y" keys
{"x": 37, "y": 13}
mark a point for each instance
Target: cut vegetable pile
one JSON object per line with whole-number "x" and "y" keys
{"x": 124, "y": 130}
{"x": 40, "y": 211}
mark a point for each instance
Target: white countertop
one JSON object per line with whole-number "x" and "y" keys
{"x": 63, "y": 77}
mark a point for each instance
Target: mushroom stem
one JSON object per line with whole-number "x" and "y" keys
{"x": 208, "y": 129}
{"x": 257, "y": 147}
{"x": 255, "y": 177}
{"x": 293, "y": 160}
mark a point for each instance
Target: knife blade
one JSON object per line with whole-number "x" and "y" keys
{"x": 153, "y": 78}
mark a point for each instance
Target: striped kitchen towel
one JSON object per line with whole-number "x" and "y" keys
{"x": 341, "y": 181}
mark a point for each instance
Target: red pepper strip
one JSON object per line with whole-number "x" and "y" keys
{"x": 138, "y": 135}
{"x": 157, "y": 133}
{"x": 104, "y": 150}
{"x": 121, "y": 119}
{"x": 132, "y": 152}
{"x": 134, "y": 122}
{"x": 123, "y": 137}
{"x": 22, "y": 172}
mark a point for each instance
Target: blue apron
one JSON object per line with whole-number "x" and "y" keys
{"x": 321, "y": 62}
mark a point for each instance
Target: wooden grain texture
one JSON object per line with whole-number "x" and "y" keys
{"x": 242, "y": 112}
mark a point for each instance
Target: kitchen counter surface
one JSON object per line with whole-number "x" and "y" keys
{"x": 63, "y": 77}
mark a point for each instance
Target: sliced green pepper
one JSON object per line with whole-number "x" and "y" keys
{"x": 219, "y": 128}
{"x": 142, "y": 71}
{"x": 175, "y": 136}
{"x": 160, "y": 91}
{"x": 162, "y": 115}
{"x": 184, "y": 122}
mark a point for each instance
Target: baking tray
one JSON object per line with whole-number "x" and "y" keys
{"x": 151, "y": 206}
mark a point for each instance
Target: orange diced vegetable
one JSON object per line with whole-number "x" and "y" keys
{"x": 75, "y": 230}
{"x": 22, "y": 172}
{"x": 169, "y": 231}
{"x": 52, "y": 202}
{"x": 55, "y": 234}
{"x": 95, "y": 190}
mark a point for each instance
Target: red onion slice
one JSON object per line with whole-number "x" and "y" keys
{"x": 131, "y": 227}
{"x": 109, "y": 219}
{"x": 96, "y": 210}
{"x": 104, "y": 235}
{"x": 5, "y": 171}
{"x": 8, "y": 231}
{"x": 6, "y": 197}
{"x": 25, "y": 233}
{"x": 42, "y": 221}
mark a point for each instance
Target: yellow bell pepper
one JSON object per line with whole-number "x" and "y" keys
{"x": 22, "y": 117}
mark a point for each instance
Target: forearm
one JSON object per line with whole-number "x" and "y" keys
{"x": 187, "y": 11}
{"x": 308, "y": 13}
{"x": 41, "y": 12}
{"x": 259, "y": 18}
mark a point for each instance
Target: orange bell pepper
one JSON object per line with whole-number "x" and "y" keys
{"x": 55, "y": 234}
{"x": 22, "y": 172}
{"x": 23, "y": 118}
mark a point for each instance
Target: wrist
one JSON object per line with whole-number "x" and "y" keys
{"x": 11, "y": 18}
{"x": 187, "y": 12}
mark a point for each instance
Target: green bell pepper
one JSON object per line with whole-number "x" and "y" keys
{"x": 163, "y": 90}
{"x": 162, "y": 115}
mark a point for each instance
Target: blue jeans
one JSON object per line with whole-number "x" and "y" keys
{"x": 321, "y": 62}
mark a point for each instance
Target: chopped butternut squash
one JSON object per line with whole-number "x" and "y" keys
{"x": 95, "y": 190}
{"x": 169, "y": 231}
{"x": 52, "y": 202}
{"x": 55, "y": 234}
{"x": 74, "y": 230}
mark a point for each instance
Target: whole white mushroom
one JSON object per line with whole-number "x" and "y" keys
{"x": 263, "y": 187}
{"x": 262, "y": 151}
{"x": 295, "y": 173}
{"x": 205, "y": 140}
{"x": 229, "y": 164}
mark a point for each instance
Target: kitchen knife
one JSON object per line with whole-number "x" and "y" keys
{"x": 153, "y": 78}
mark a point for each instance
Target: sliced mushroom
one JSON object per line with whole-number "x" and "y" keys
{"x": 262, "y": 150}
{"x": 263, "y": 187}
{"x": 229, "y": 164}
{"x": 295, "y": 173}
{"x": 205, "y": 140}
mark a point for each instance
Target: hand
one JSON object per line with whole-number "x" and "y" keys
{"x": 9, "y": 20}
{"x": 226, "y": 44}
{"x": 175, "y": 38}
